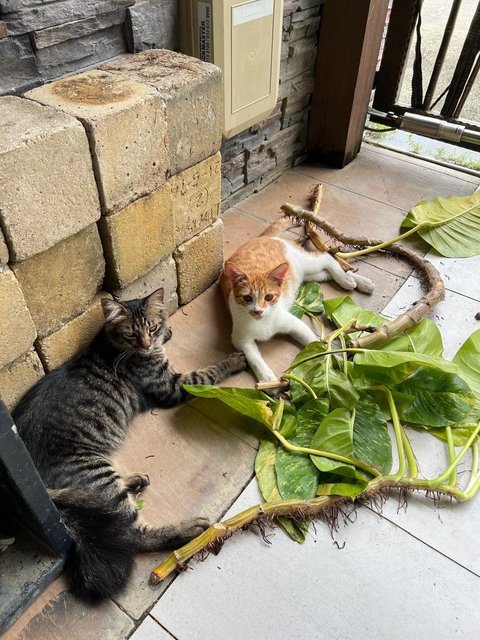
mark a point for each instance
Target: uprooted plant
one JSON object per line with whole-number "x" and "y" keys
{"x": 328, "y": 438}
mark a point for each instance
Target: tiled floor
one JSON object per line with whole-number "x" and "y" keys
{"x": 413, "y": 573}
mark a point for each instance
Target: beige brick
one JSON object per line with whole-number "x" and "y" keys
{"x": 74, "y": 336}
{"x": 47, "y": 190}
{"x": 126, "y": 125}
{"x": 3, "y": 250}
{"x": 199, "y": 262}
{"x": 59, "y": 283}
{"x": 137, "y": 238}
{"x": 162, "y": 275}
{"x": 193, "y": 94}
{"x": 17, "y": 331}
{"x": 196, "y": 195}
{"x": 17, "y": 377}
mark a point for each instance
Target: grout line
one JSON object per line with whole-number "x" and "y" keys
{"x": 415, "y": 537}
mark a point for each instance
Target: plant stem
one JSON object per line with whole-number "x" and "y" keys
{"x": 451, "y": 455}
{"x": 454, "y": 463}
{"x": 325, "y": 353}
{"x": 382, "y": 245}
{"x": 291, "y": 376}
{"x": 411, "y": 459}
{"x": 474, "y": 470}
{"x": 399, "y": 433}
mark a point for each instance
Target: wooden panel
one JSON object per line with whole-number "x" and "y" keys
{"x": 350, "y": 37}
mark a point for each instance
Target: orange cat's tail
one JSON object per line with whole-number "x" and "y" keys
{"x": 277, "y": 227}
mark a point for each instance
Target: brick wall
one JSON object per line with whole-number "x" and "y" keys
{"x": 108, "y": 188}
{"x": 257, "y": 156}
{"x": 41, "y": 40}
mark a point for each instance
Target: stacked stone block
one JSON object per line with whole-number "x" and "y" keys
{"x": 111, "y": 187}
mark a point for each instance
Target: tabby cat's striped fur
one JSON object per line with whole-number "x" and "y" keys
{"x": 78, "y": 415}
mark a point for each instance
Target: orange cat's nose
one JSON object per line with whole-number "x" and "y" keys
{"x": 257, "y": 313}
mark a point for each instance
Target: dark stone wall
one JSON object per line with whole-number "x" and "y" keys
{"x": 44, "y": 39}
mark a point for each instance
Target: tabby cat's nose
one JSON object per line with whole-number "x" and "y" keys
{"x": 146, "y": 342}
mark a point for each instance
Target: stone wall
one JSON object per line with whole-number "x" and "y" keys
{"x": 110, "y": 185}
{"x": 257, "y": 156}
{"x": 45, "y": 39}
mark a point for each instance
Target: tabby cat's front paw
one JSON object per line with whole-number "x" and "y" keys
{"x": 189, "y": 529}
{"x": 237, "y": 362}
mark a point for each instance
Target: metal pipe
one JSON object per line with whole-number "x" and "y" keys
{"x": 468, "y": 88}
{"x": 447, "y": 34}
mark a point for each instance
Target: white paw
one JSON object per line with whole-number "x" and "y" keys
{"x": 364, "y": 284}
{"x": 348, "y": 281}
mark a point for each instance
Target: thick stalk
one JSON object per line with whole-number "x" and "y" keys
{"x": 451, "y": 454}
{"x": 307, "y": 387}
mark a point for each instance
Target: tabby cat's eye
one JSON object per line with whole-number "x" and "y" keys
{"x": 128, "y": 334}
{"x": 247, "y": 298}
{"x": 153, "y": 328}
{"x": 268, "y": 297}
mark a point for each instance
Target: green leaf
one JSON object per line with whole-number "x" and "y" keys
{"x": 371, "y": 440}
{"x": 347, "y": 489}
{"x": 249, "y": 402}
{"x": 454, "y": 224}
{"x": 297, "y": 477}
{"x": 267, "y": 482}
{"x": 335, "y": 435}
{"x": 460, "y": 435}
{"x": 392, "y": 367}
{"x": 439, "y": 399}
{"x": 467, "y": 359}
{"x": 309, "y": 300}
{"x": 423, "y": 337}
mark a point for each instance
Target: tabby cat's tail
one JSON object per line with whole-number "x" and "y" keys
{"x": 101, "y": 557}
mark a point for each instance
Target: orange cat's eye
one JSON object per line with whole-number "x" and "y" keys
{"x": 247, "y": 298}
{"x": 268, "y": 297}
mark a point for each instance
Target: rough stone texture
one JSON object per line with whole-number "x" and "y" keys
{"x": 196, "y": 198}
{"x": 137, "y": 238}
{"x": 18, "y": 69}
{"x": 74, "y": 336}
{"x": 77, "y": 29}
{"x": 58, "y": 284}
{"x": 162, "y": 275}
{"x": 125, "y": 122}
{"x": 153, "y": 25}
{"x": 50, "y": 14}
{"x": 199, "y": 262}
{"x": 17, "y": 377}
{"x": 193, "y": 94}
{"x": 3, "y": 250}
{"x": 3, "y": 29}
{"x": 80, "y": 53}
{"x": 17, "y": 331}
{"x": 49, "y": 192}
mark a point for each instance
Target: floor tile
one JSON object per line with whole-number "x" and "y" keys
{"x": 196, "y": 468}
{"x": 455, "y": 316}
{"x": 382, "y": 583}
{"x": 150, "y": 630}
{"x": 461, "y": 275}
{"x": 388, "y": 178}
{"x": 451, "y": 527}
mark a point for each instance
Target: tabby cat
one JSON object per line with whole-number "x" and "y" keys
{"x": 260, "y": 282}
{"x": 77, "y": 416}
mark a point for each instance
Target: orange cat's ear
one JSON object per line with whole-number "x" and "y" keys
{"x": 278, "y": 274}
{"x": 235, "y": 274}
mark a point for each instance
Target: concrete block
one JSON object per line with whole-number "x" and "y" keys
{"x": 193, "y": 94}
{"x": 17, "y": 377}
{"x": 58, "y": 284}
{"x": 74, "y": 336}
{"x": 153, "y": 25}
{"x": 48, "y": 189}
{"x": 137, "y": 238}
{"x": 19, "y": 70}
{"x": 126, "y": 126}
{"x": 3, "y": 250}
{"x": 17, "y": 331}
{"x": 196, "y": 198}
{"x": 163, "y": 275}
{"x": 199, "y": 262}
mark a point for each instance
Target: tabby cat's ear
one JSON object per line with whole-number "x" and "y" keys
{"x": 113, "y": 311}
{"x": 235, "y": 274}
{"x": 278, "y": 274}
{"x": 154, "y": 302}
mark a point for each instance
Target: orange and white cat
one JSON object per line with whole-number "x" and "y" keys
{"x": 260, "y": 282}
